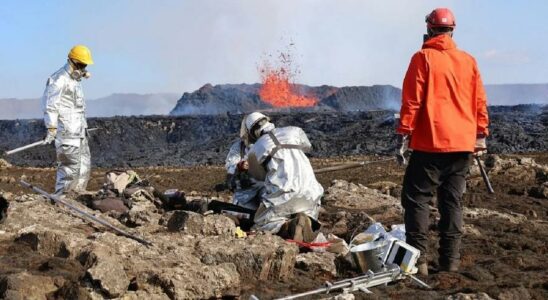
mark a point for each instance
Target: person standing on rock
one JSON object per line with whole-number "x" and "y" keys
{"x": 247, "y": 190}
{"x": 292, "y": 198}
{"x": 64, "y": 116}
{"x": 443, "y": 120}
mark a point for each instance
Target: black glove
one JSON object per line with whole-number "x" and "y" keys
{"x": 402, "y": 149}
{"x": 230, "y": 182}
{"x": 245, "y": 181}
{"x": 4, "y": 204}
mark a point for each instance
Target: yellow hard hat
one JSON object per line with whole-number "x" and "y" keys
{"x": 81, "y": 54}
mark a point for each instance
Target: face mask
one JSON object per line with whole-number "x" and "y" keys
{"x": 79, "y": 74}
{"x": 255, "y": 131}
{"x": 79, "y": 71}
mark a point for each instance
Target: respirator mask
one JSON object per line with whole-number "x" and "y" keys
{"x": 256, "y": 131}
{"x": 78, "y": 70}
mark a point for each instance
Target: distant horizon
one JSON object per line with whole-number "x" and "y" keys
{"x": 134, "y": 104}
{"x": 181, "y": 93}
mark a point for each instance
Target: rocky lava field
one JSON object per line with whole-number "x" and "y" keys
{"x": 204, "y": 140}
{"x": 47, "y": 253}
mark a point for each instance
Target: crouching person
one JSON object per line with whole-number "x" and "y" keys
{"x": 292, "y": 197}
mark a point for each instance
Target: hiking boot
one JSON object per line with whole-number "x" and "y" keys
{"x": 300, "y": 229}
{"x": 422, "y": 269}
{"x": 452, "y": 266}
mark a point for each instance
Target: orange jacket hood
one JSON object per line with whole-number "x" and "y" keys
{"x": 440, "y": 42}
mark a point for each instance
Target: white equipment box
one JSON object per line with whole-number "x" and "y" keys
{"x": 403, "y": 255}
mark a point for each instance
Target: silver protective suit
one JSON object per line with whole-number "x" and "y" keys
{"x": 248, "y": 196}
{"x": 290, "y": 184}
{"x": 64, "y": 108}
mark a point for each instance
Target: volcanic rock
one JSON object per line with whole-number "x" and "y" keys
{"x": 202, "y": 283}
{"x": 193, "y": 223}
{"x": 515, "y": 293}
{"x": 463, "y": 296}
{"x": 44, "y": 241}
{"x": 470, "y": 229}
{"x": 141, "y": 213}
{"x": 4, "y": 164}
{"x": 318, "y": 263}
{"x": 244, "y": 98}
{"x": 113, "y": 263}
{"x": 26, "y": 286}
{"x": 540, "y": 191}
{"x": 345, "y": 194}
{"x": 475, "y": 213}
{"x": 138, "y": 295}
{"x": 362, "y": 98}
{"x": 263, "y": 256}
{"x": 106, "y": 271}
{"x": 521, "y": 169}
{"x": 340, "y": 227}
{"x": 387, "y": 187}
{"x": 71, "y": 290}
{"x": 207, "y": 100}
{"x": 191, "y": 140}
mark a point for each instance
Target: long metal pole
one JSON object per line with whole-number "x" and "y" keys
{"x": 85, "y": 214}
{"x": 350, "y": 165}
{"x": 39, "y": 143}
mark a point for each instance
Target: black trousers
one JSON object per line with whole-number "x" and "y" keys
{"x": 426, "y": 173}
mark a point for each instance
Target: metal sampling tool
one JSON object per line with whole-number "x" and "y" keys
{"x": 484, "y": 175}
{"x": 85, "y": 214}
{"x": 350, "y": 165}
{"x": 39, "y": 143}
{"x": 360, "y": 283}
{"x": 23, "y": 148}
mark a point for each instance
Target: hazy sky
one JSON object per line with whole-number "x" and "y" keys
{"x": 177, "y": 46}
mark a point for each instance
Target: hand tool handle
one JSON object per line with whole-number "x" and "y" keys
{"x": 484, "y": 175}
{"x": 42, "y": 142}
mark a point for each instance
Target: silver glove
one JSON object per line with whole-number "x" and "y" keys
{"x": 52, "y": 133}
{"x": 402, "y": 149}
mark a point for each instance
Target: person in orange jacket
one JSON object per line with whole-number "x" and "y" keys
{"x": 443, "y": 120}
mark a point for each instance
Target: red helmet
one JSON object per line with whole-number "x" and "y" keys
{"x": 440, "y": 17}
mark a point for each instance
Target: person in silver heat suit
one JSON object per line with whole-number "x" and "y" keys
{"x": 64, "y": 116}
{"x": 290, "y": 184}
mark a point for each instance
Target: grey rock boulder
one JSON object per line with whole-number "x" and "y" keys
{"x": 22, "y": 286}
{"x": 263, "y": 256}
{"x": 106, "y": 271}
{"x": 193, "y": 223}
{"x": 319, "y": 263}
